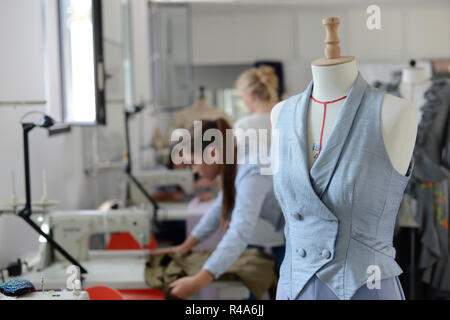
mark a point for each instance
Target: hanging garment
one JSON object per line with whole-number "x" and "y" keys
{"x": 254, "y": 268}
{"x": 340, "y": 214}
{"x": 429, "y": 186}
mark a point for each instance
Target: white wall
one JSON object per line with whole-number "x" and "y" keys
{"x": 21, "y": 80}
{"x": 240, "y": 34}
{"x": 21, "y": 34}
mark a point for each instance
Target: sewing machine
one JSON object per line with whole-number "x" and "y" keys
{"x": 155, "y": 178}
{"x": 73, "y": 229}
{"x": 115, "y": 269}
{"x": 50, "y": 295}
{"x": 168, "y": 211}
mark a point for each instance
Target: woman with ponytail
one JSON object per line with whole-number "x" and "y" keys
{"x": 246, "y": 197}
{"x": 258, "y": 88}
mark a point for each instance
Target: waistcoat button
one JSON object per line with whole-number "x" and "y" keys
{"x": 301, "y": 252}
{"x": 326, "y": 254}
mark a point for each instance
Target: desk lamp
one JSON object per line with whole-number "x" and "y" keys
{"x": 128, "y": 167}
{"x": 46, "y": 122}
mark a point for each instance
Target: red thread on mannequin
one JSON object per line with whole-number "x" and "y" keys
{"x": 325, "y": 104}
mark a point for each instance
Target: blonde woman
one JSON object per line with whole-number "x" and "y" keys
{"x": 258, "y": 88}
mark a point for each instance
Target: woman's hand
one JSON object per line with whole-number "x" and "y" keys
{"x": 184, "y": 288}
{"x": 176, "y": 249}
{"x": 182, "y": 248}
{"x": 188, "y": 286}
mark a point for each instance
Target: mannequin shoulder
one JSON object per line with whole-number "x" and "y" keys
{"x": 276, "y": 113}
{"x": 399, "y": 111}
{"x": 399, "y": 122}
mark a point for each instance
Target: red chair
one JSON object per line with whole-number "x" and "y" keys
{"x": 152, "y": 245}
{"x": 125, "y": 241}
{"x": 104, "y": 293}
{"x": 142, "y": 294}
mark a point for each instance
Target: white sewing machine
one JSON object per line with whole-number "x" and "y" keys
{"x": 154, "y": 178}
{"x": 50, "y": 295}
{"x": 168, "y": 211}
{"x": 73, "y": 229}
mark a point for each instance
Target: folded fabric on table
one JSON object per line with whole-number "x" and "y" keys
{"x": 255, "y": 268}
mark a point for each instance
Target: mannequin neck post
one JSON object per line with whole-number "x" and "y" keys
{"x": 333, "y": 82}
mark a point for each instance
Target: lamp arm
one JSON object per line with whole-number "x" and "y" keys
{"x": 128, "y": 167}
{"x": 27, "y": 127}
{"x": 26, "y": 213}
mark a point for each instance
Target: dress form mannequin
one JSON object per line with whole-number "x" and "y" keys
{"x": 333, "y": 78}
{"x": 413, "y": 86}
{"x": 330, "y": 83}
{"x": 202, "y": 110}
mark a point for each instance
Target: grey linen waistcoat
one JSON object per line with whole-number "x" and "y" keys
{"x": 340, "y": 215}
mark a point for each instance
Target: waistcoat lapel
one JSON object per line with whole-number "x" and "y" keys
{"x": 298, "y": 158}
{"x": 301, "y": 132}
{"x": 324, "y": 167}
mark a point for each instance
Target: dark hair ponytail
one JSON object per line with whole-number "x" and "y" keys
{"x": 228, "y": 171}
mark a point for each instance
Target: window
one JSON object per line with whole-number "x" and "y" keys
{"x": 170, "y": 32}
{"x": 82, "y": 68}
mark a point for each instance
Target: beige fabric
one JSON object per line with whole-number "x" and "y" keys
{"x": 254, "y": 268}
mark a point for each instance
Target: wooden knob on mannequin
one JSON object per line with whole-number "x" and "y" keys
{"x": 332, "y": 48}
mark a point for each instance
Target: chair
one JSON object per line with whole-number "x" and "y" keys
{"x": 142, "y": 294}
{"x": 104, "y": 293}
{"x": 125, "y": 241}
